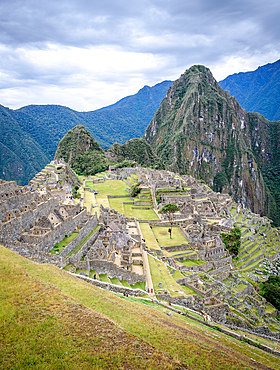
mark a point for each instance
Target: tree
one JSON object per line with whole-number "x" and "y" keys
{"x": 169, "y": 209}
{"x": 270, "y": 290}
{"x": 232, "y": 240}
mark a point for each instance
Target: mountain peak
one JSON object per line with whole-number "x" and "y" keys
{"x": 199, "y": 129}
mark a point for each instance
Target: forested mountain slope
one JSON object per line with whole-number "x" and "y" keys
{"x": 20, "y": 156}
{"x": 199, "y": 129}
{"x": 257, "y": 91}
{"x": 37, "y": 129}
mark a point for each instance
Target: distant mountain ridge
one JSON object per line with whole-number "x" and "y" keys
{"x": 257, "y": 91}
{"x": 33, "y": 132}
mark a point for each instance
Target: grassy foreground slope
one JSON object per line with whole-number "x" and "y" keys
{"x": 51, "y": 320}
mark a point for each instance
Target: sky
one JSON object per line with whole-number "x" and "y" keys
{"x": 88, "y": 54}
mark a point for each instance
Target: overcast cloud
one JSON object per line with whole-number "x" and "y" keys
{"x": 89, "y": 54}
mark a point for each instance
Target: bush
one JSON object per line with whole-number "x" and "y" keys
{"x": 232, "y": 240}
{"x": 135, "y": 190}
{"x": 270, "y": 290}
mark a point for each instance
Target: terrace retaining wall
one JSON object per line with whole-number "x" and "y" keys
{"x": 112, "y": 287}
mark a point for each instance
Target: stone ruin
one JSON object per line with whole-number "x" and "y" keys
{"x": 36, "y": 219}
{"x": 113, "y": 252}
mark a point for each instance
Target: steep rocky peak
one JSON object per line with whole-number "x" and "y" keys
{"x": 199, "y": 129}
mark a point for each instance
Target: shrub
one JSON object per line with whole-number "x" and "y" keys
{"x": 232, "y": 240}
{"x": 270, "y": 290}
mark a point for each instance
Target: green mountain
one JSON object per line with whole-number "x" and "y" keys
{"x": 199, "y": 129}
{"x": 82, "y": 152}
{"x": 20, "y": 156}
{"x": 86, "y": 157}
{"x": 137, "y": 150}
{"x": 257, "y": 91}
{"x": 124, "y": 120}
{"x": 37, "y": 129}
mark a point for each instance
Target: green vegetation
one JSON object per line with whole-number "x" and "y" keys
{"x": 190, "y": 263}
{"x": 29, "y": 136}
{"x": 82, "y": 152}
{"x": 64, "y": 242}
{"x": 256, "y": 91}
{"x": 169, "y": 210}
{"x": 149, "y": 236}
{"x": 52, "y": 320}
{"x": 174, "y": 137}
{"x": 135, "y": 190}
{"x": 79, "y": 246}
{"x": 270, "y": 290}
{"x": 75, "y": 192}
{"x": 232, "y": 240}
{"x": 22, "y": 157}
{"x": 139, "y": 151}
{"x": 161, "y": 234}
{"x": 161, "y": 275}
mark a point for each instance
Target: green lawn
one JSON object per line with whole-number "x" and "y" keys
{"x": 139, "y": 286}
{"x": 64, "y": 242}
{"x": 125, "y": 283}
{"x": 190, "y": 263}
{"x": 89, "y": 184}
{"x": 111, "y": 187}
{"x": 104, "y": 278}
{"x": 144, "y": 214}
{"x": 149, "y": 236}
{"x": 160, "y": 274}
{"x": 239, "y": 218}
{"x": 163, "y": 236}
{"x": 115, "y": 281}
{"x": 178, "y": 275}
{"x": 140, "y": 214}
{"x": 89, "y": 200}
{"x": 117, "y": 203}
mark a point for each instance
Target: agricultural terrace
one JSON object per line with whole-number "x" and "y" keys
{"x": 124, "y": 205}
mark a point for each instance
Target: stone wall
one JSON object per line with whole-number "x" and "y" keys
{"x": 260, "y": 257}
{"x": 188, "y": 302}
{"x": 81, "y": 217}
{"x": 58, "y": 233}
{"x": 208, "y": 265}
{"x": 113, "y": 271}
{"x": 219, "y": 270}
{"x": 90, "y": 225}
{"x": 112, "y": 287}
{"x": 218, "y": 312}
{"x": 175, "y": 248}
{"x": 35, "y": 254}
{"x": 77, "y": 257}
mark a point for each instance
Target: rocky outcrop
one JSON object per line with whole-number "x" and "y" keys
{"x": 199, "y": 129}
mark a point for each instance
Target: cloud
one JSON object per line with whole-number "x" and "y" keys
{"x": 86, "y": 54}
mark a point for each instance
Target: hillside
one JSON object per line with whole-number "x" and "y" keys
{"x": 257, "y": 91}
{"x": 137, "y": 150}
{"x": 199, "y": 129}
{"x": 82, "y": 152}
{"x": 54, "y": 320}
{"x": 20, "y": 156}
{"x": 41, "y": 127}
